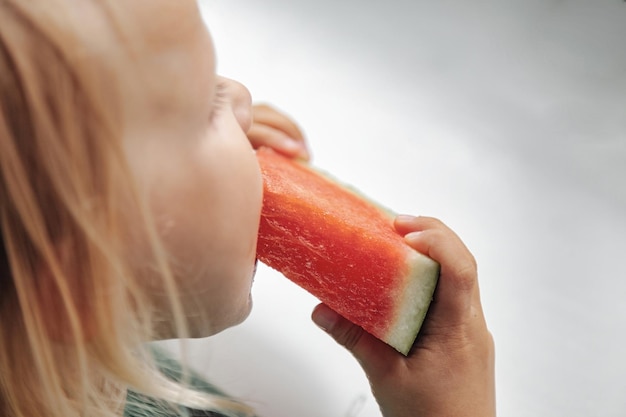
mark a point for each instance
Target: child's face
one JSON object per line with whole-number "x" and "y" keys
{"x": 187, "y": 146}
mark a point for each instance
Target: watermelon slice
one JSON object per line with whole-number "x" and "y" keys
{"x": 343, "y": 249}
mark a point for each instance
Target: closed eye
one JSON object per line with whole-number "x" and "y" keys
{"x": 219, "y": 97}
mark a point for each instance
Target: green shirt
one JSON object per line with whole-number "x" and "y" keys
{"x": 138, "y": 405}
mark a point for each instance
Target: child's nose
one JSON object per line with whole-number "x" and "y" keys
{"x": 240, "y": 102}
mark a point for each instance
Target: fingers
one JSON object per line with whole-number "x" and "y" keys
{"x": 274, "y": 129}
{"x": 374, "y": 355}
{"x": 457, "y": 285}
{"x": 269, "y": 116}
{"x": 263, "y": 135}
{"x": 451, "y": 318}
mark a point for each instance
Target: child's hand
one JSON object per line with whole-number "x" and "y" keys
{"x": 276, "y": 130}
{"x": 450, "y": 369}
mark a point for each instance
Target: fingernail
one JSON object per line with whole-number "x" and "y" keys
{"x": 291, "y": 145}
{"x": 295, "y": 148}
{"x": 324, "y": 318}
{"x": 412, "y": 237}
{"x": 405, "y": 218}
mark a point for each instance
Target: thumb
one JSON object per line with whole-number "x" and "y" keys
{"x": 373, "y": 355}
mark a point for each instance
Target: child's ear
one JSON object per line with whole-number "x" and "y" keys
{"x": 64, "y": 308}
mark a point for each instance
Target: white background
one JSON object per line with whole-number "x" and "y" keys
{"x": 507, "y": 120}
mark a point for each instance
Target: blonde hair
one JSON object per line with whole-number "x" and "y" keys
{"x": 64, "y": 188}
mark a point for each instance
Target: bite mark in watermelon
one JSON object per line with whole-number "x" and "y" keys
{"x": 342, "y": 248}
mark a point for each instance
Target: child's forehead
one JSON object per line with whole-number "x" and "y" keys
{"x": 162, "y": 23}
{"x": 158, "y": 25}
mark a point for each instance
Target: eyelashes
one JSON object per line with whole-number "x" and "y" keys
{"x": 220, "y": 92}
{"x": 220, "y": 97}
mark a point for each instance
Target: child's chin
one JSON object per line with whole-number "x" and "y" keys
{"x": 245, "y": 312}
{"x": 235, "y": 318}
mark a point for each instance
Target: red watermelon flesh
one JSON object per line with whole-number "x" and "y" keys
{"x": 342, "y": 248}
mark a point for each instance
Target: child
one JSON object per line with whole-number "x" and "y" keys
{"x": 129, "y": 205}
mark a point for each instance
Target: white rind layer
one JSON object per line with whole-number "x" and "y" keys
{"x": 417, "y": 294}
